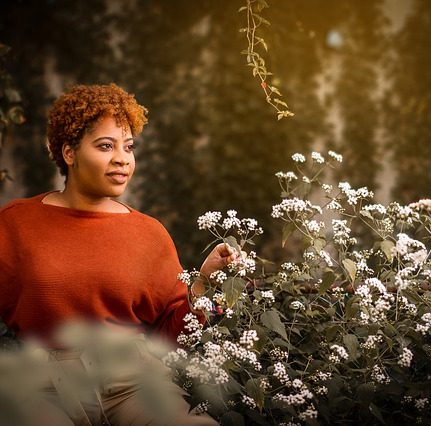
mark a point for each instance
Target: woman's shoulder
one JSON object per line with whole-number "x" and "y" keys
{"x": 20, "y": 204}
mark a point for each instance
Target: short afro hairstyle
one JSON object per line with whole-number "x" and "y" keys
{"x": 74, "y": 112}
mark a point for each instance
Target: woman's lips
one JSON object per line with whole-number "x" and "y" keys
{"x": 117, "y": 178}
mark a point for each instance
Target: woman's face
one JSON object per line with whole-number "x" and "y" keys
{"x": 103, "y": 163}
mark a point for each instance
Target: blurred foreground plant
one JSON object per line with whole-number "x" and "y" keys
{"x": 341, "y": 337}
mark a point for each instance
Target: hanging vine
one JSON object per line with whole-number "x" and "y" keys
{"x": 255, "y": 60}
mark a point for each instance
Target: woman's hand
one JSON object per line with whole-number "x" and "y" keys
{"x": 222, "y": 255}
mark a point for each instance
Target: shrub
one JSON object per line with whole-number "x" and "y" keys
{"x": 340, "y": 337}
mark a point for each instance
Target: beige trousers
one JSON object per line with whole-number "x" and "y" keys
{"x": 122, "y": 398}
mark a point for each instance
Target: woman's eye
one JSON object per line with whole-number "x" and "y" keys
{"x": 105, "y": 146}
{"x": 130, "y": 148}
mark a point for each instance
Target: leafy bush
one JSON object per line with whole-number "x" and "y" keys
{"x": 341, "y": 337}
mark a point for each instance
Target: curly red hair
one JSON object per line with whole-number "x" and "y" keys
{"x": 74, "y": 112}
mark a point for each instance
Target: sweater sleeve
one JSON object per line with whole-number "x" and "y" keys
{"x": 172, "y": 291}
{"x": 8, "y": 265}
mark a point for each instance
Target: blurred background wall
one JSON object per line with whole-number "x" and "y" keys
{"x": 357, "y": 75}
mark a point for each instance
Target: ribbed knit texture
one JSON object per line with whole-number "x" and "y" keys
{"x": 58, "y": 264}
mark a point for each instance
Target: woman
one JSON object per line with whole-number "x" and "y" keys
{"x": 78, "y": 254}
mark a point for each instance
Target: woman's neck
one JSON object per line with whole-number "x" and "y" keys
{"x": 75, "y": 200}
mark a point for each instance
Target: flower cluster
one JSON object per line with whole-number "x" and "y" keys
{"x": 219, "y": 277}
{"x": 352, "y": 195}
{"x": 239, "y": 353}
{"x": 298, "y": 158}
{"x": 405, "y": 358}
{"x": 410, "y": 249}
{"x": 248, "y": 338}
{"x": 294, "y": 205}
{"x": 194, "y": 329}
{"x": 338, "y": 353}
{"x": 379, "y": 376}
{"x": 208, "y": 368}
{"x": 203, "y": 304}
{"x": 281, "y": 374}
{"x": 372, "y": 341}
{"x": 375, "y": 301}
{"x": 342, "y": 233}
{"x": 209, "y": 220}
{"x": 335, "y": 156}
{"x": 426, "y": 326}
{"x": 289, "y": 176}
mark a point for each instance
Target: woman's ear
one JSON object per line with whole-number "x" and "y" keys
{"x": 68, "y": 154}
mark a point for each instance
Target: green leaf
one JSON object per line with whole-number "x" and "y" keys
{"x": 374, "y": 410}
{"x": 351, "y": 343}
{"x": 319, "y": 243}
{"x": 327, "y": 280}
{"x": 365, "y": 393}
{"x": 366, "y": 213}
{"x": 331, "y": 332}
{"x": 352, "y": 307}
{"x": 232, "y": 288}
{"x": 232, "y": 241}
{"x": 254, "y": 390}
{"x": 288, "y": 228}
{"x": 271, "y": 320}
{"x": 350, "y": 267}
{"x": 232, "y": 418}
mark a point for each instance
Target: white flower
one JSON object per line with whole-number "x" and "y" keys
{"x": 334, "y": 205}
{"x": 313, "y": 226}
{"x": 405, "y": 358}
{"x": 289, "y": 176}
{"x": 309, "y": 413}
{"x": 325, "y": 257}
{"x": 229, "y": 313}
{"x": 208, "y": 368}
{"x": 410, "y": 249}
{"x": 294, "y": 205}
{"x": 297, "y": 305}
{"x": 317, "y": 157}
{"x": 278, "y": 354}
{"x": 268, "y": 294}
{"x": 424, "y": 328}
{"x": 242, "y": 354}
{"x": 371, "y": 341}
{"x": 209, "y": 220}
{"x": 298, "y": 158}
{"x": 338, "y": 353}
{"x": 335, "y": 156}
{"x": 354, "y": 195}
{"x": 185, "y": 277}
{"x": 201, "y": 408}
{"x": 321, "y": 390}
{"x": 203, "y": 304}
{"x": 281, "y": 374}
{"x": 379, "y": 208}
{"x": 342, "y": 233}
{"x": 218, "y": 276}
{"x": 247, "y": 400}
{"x": 421, "y": 403}
{"x": 248, "y": 338}
{"x": 379, "y": 376}
{"x": 327, "y": 188}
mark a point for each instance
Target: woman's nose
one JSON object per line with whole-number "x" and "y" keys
{"x": 120, "y": 157}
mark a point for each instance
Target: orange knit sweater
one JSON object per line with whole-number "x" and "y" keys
{"x": 59, "y": 264}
